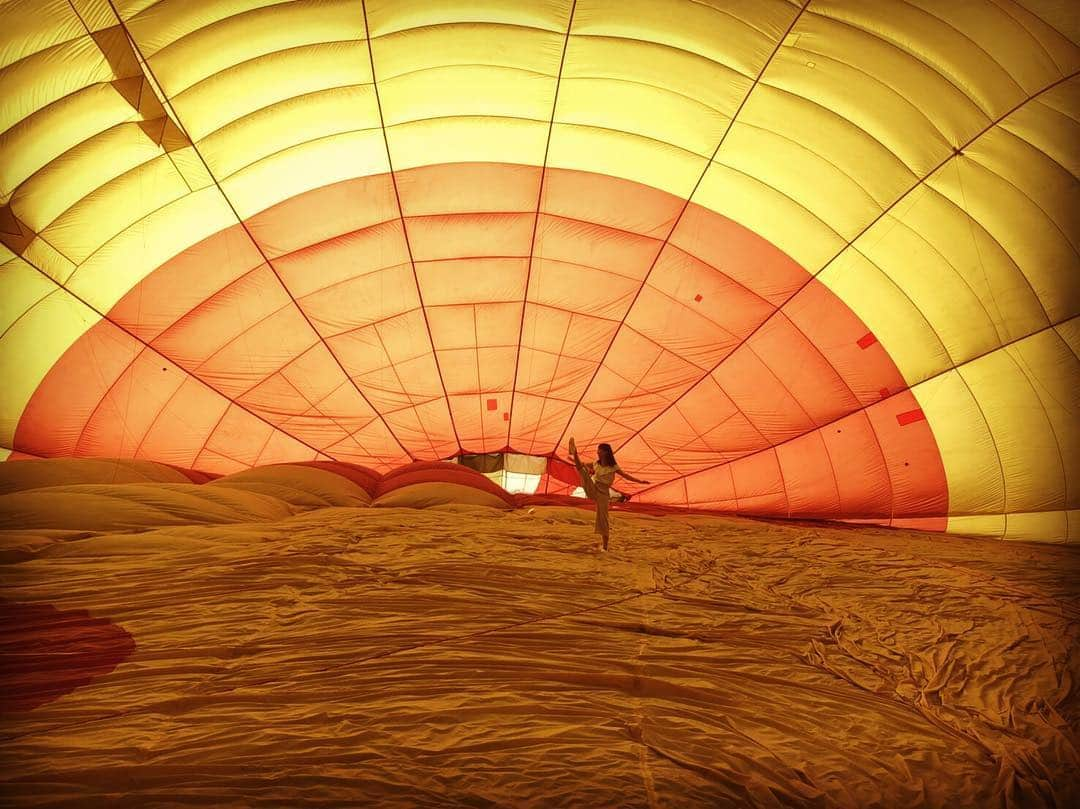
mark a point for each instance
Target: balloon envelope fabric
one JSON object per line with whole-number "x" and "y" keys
{"x": 812, "y": 260}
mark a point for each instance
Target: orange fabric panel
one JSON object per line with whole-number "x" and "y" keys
{"x": 371, "y": 336}
{"x": 809, "y": 477}
{"x": 66, "y": 400}
{"x": 323, "y": 214}
{"x": 759, "y": 485}
{"x": 185, "y": 283}
{"x": 916, "y": 474}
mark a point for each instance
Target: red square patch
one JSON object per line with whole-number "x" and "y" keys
{"x": 910, "y": 417}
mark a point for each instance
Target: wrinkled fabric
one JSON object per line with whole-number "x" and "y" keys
{"x": 463, "y": 656}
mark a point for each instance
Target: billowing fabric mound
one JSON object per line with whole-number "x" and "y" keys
{"x": 84, "y": 495}
{"x": 300, "y": 485}
{"x": 423, "y": 484}
{"x": 133, "y": 506}
{"x": 37, "y": 474}
{"x": 811, "y": 259}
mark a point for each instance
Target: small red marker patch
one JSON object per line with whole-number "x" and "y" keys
{"x": 910, "y": 417}
{"x": 506, "y": 416}
{"x": 493, "y": 404}
{"x": 697, "y": 298}
{"x": 883, "y": 393}
{"x": 867, "y": 340}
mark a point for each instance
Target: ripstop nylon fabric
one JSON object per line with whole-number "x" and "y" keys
{"x": 794, "y": 259}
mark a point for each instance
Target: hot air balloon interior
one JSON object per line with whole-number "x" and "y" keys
{"x": 540, "y": 403}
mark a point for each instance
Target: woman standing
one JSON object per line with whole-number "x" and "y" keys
{"x": 596, "y": 480}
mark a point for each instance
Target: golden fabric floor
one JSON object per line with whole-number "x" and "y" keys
{"x": 462, "y": 656}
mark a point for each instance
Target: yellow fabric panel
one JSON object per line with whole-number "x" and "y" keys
{"x": 466, "y": 90}
{"x": 1053, "y": 371}
{"x": 31, "y": 347}
{"x": 806, "y": 178}
{"x": 1052, "y": 191}
{"x": 450, "y": 140}
{"x": 903, "y": 330}
{"x": 114, "y": 207}
{"x": 961, "y": 278}
{"x": 30, "y": 28}
{"x": 688, "y": 75}
{"x": 137, "y": 251}
{"x": 388, "y": 16}
{"x": 157, "y": 24}
{"x": 1001, "y": 34}
{"x": 301, "y": 168}
{"x": 619, "y": 154}
{"x": 1025, "y": 440}
{"x": 33, "y": 143}
{"x": 268, "y": 80}
{"x": 740, "y": 35}
{"x": 1038, "y": 526}
{"x": 1018, "y": 223}
{"x": 21, "y": 288}
{"x": 467, "y": 44}
{"x": 96, "y": 14}
{"x": 44, "y": 78}
{"x": 1069, "y": 331}
{"x": 5, "y": 453}
{"x": 770, "y": 214}
{"x": 80, "y": 172}
{"x": 843, "y": 88}
{"x": 963, "y": 320}
{"x": 968, "y": 451}
{"x": 946, "y": 48}
{"x": 319, "y": 115}
{"x": 854, "y": 152}
{"x": 1049, "y": 124}
{"x": 881, "y": 69}
{"x": 192, "y": 168}
{"x": 44, "y": 257}
{"x": 260, "y": 32}
{"x": 979, "y": 525}
{"x": 651, "y": 112}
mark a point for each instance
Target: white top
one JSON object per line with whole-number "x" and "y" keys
{"x": 604, "y": 475}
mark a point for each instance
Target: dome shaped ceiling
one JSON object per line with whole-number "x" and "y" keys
{"x": 812, "y": 259}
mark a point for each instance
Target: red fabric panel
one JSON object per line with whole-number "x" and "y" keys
{"x": 468, "y": 188}
{"x": 439, "y": 472}
{"x": 563, "y": 472}
{"x": 195, "y": 475}
{"x": 367, "y": 479}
